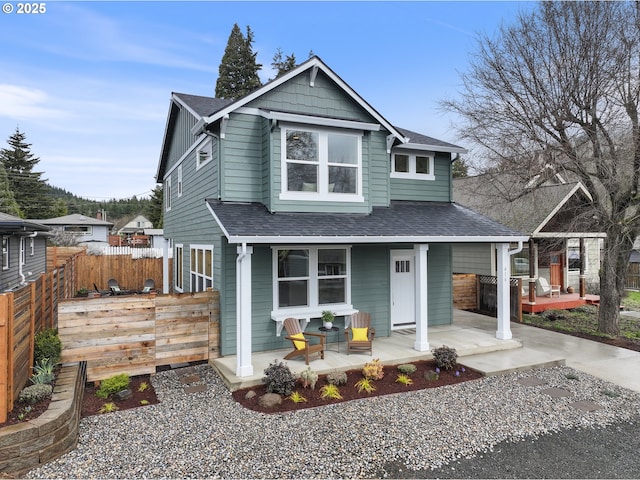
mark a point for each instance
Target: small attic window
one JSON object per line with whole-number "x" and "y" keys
{"x": 204, "y": 154}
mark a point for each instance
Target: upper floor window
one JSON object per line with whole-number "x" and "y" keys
{"x": 179, "y": 180}
{"x": 321, "y": 165}
{"x": 167, "y": 194}
{"x": 5, "y": 253}
{"x": 409, "y": 165}
{"x": 204, "y": 154}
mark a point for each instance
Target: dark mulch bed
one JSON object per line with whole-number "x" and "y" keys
{"x": 385, "y": 386}
{"x": 91, "y": 404}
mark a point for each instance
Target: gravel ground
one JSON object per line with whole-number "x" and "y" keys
{"x": 492, "y": 428}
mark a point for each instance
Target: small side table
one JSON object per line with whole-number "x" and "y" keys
{"x": 332, "y": 329}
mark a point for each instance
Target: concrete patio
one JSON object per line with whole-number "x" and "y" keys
{"x": 471, "y": 334}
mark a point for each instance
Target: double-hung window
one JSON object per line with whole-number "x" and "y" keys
{"x": 5, "y": 253}
{"x": 321, "y": 164}
{"x": 411, "y": 165}
{"x": 178, "y": 266}
{"x": 201, "y": 268}
{"x": 311, "y": 277}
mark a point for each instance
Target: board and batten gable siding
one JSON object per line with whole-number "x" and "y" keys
{"x": 181, "y": 137}
{"x": 472, "y": 258}
{"x": 438, "y": 190}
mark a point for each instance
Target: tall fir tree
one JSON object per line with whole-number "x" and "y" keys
{"x": 28, "y": 187}
{"x": 153, "y": 211}
{"x": 238, "y": 70}
{"x": 8, "y": 202}
{"x": 282, "y": 65}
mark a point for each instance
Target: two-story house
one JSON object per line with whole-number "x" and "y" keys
{"x": 24, "y": 251}
{"x": 301, "y": 197}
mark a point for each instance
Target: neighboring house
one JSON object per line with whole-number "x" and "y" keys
{"x": 156, "y": 237}
{"x": 301, "y": 197}
{"x": 129, "y": 226}
{"x": 84, "y": 229}
{"x": 551, "y": 213}
{"x": 24, "y": 251}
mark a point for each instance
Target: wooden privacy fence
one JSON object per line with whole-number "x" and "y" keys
{"x": 465, "y": 291}
{"x": 130, "y": 273}
{"x": 488, "y": 296}
{"x": 134, "y": 334}
{"x": 24, "y": 313}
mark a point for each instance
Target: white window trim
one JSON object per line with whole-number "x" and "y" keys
{"x": 207, "y": 148}
{"x": 192, "y": 272}
{"x": 167, "y": 195}
{"x": 411, "y": 174}
{"x": 6, "y": 242}
{"x": 32, "y": 246}
{"x": 585, "y": 260}
{"x": 178, "y": 267}
{"x": 313, "y": 309}
{"x": 23, "y": 251}
{"x": 88, "y": 229}
{"x": 179, "y": 181}
{"x": 323, "y": 194}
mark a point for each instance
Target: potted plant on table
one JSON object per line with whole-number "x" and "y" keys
{"x": 327, "y": 319}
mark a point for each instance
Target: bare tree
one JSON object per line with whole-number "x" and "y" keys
{"x": 560, "y": 88}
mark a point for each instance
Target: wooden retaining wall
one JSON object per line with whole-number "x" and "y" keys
{"x": 136, "y": 333}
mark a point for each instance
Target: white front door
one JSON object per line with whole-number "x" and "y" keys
{"x": 403, "y": 305}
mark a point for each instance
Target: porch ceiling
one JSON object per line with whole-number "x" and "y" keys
{"x": 405, "y": 222}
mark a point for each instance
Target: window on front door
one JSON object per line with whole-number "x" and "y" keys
{"x": 311, "y": 277}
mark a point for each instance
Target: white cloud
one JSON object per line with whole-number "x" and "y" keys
{"x": 19, "y": 102}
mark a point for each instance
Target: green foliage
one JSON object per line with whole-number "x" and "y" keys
{"x": 112, "y": 385}
{"x": 373, "y": 370}
{"x": 8, "y": 202}
{"x": 407, "y": 368}
{"x": 26, "y": 410}
{"x": 144, "y": 402}
{"x": 404, "y": 379}
{"x": 47, "y": 345}
{"x": 282, "y": 66}
{"x": 308, "y": 378}
{"x": 445, "y": 357}
{"x": 35, "y": 393}
{"x": 431, "y": 376}
{"x": 330, "y": 391}
{"x": 328, "y": 316}
{"x": 238, "y": 70}
{"x": 143, "y": 386}
{"x": 153, "y": 210}
{"x": 297, "y": 397}
{"x": 459, "y": 167}
{"x": 43, "y": 372}
{"x": 108, "y": 408}
{"x": 365, "y": 384}
{"x": 279, "y": 379}
{"x": 337, "y": 378}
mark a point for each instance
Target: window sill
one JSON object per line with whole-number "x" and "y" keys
{"x": 412, "y": 176}
{"x": 317, "y": 197}
{"x": 306, "y": 314}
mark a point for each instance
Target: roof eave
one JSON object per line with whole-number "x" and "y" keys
{"x": 433, "y": 148}
{"x": 284, "y": 239}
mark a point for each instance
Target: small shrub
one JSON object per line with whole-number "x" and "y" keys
{"x": 373, "y": 370}
{"x": 407, "y": 368}
{"x": 365, "y": 384}
{"x": 445, "y": 357}
{"x": 144, "y": 402}
{"x": 431, "y": 376}
{"x": 43, "y": 372}
{"x": 330, "y": 391}
{"x": 25, "y": 411}
{"x": 308, "y": 378}
{"x": 404, "y": 379}
{"x": 35, "y": 393}
{"x": 112, "y": 385}
{"x": 279, "y": 379}
{"x": 553, "y": 315}
{"x": 144, "y": 386}
{"x": 47, "y": 345}
{"x": 337, "y": 378}
{"x": 297, "y": 397}
{"x": 108, "y": 408}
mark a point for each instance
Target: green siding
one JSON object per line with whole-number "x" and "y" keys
{"x": 439, "y": 284}
{"x": 181, "y": 137}
{"x": 437, "y": 190}
{"x": 370, "y": 285}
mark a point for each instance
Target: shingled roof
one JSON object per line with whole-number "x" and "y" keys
{"x": 400, "y": 222}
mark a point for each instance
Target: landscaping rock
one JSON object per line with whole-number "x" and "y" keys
{"x": 270, "y": 400}
{"x": 250, "y": 394}
{"x": 123, "y": 394}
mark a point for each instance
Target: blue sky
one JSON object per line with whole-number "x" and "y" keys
{"x": 89, "y": 82}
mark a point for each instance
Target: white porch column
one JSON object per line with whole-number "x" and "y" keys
{"x": 422, "y": 316}
{"x": 504, "y": 274}
{"x": 165, "y": 265}
{"x": 244, "y": 368}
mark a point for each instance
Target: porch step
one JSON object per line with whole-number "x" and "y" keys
{"x": 509, "y": 361}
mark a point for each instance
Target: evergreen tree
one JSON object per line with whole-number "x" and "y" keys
{"x": 282, "y": 66}
{"x": 8, "y": 202}
{"x": 238, "y": 70}
{"x": 153, "y": 210}
{"x": 459, "y": 167}
{"x": 29, "y": 189}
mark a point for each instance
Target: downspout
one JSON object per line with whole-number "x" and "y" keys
{"x": 518, "y": 249}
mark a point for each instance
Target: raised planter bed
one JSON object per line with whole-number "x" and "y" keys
{"x": 27, "y": 445}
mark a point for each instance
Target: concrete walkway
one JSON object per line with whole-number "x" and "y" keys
{"x": 617, "y": 365}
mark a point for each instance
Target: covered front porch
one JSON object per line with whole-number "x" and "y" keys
{"x": 468, "y": 335}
